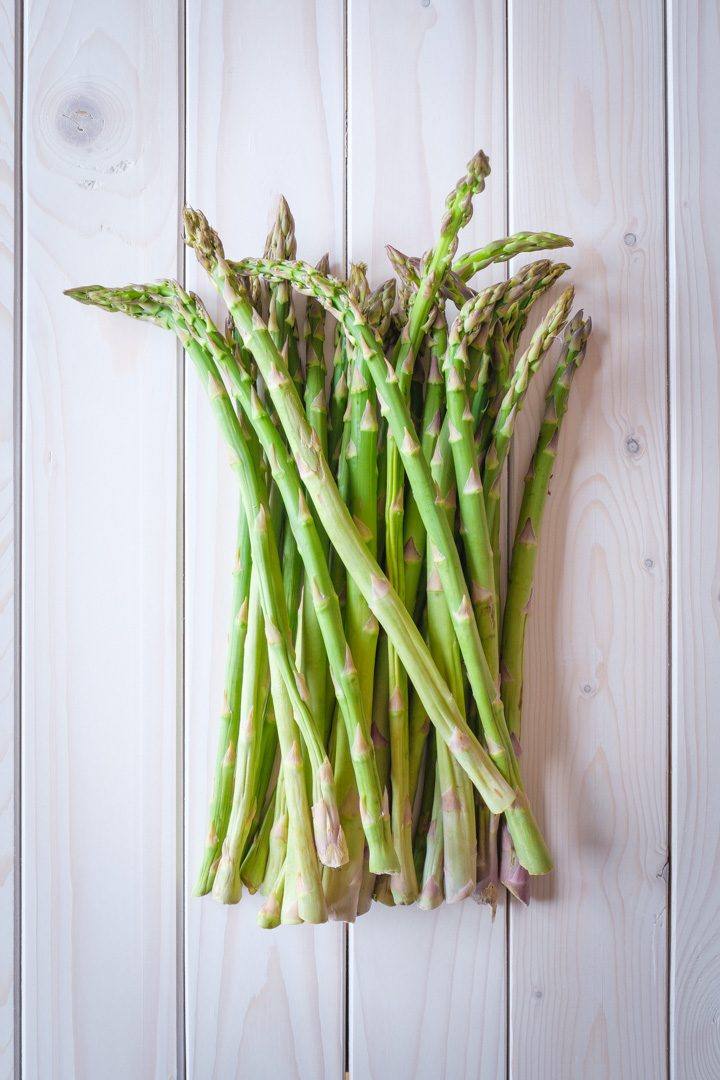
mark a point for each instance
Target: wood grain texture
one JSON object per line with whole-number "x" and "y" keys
{"x": 426, "y": 90}
{"x": 588, "y": 958}
{"x": 695, "y": 471}
{"x": 99, "y": 511}
{"x": 265, "y": 116}
{"x": 7, "y": 538}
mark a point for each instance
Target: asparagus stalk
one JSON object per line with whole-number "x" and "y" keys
{"x": 254, "y": 864}
{"x": 227, "y": 886}
{"x": 360, "y": 456}
{"x": 477, "y": 543}
{"x": 458, "y": 213}
{"x": 420, "y": 837}
{"x": 277, "y": 839}
{"x": 456, "y": 794}
{"x": 514, "y": 400}
{"x": 302, "y": 881}
{"x": 230, "y": 719}
{"x": 532, "y": 508}
{"x": 466, "y": 266}
{"x": 431, "y": 895}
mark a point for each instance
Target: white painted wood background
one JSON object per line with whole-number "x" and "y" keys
{"x": 600, "y": 120}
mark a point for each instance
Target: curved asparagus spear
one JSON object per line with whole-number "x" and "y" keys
{"x": 466, "y": 266}
{"x": 308, "y": 902}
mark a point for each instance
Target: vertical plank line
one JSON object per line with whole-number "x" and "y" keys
{"x": 346, "y": 248}
{"x": 508, "y": 528}
{"x": 180, "y": 910}
{"x": 18, "y": 174}
{"x": 180, "y": 915}
{"x": 667, "y": 80}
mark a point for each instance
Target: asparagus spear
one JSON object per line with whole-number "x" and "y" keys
{"x": 466, "y": 266}
{"x": 514, "y": 400}
{"x": 457, "y": 806}
{"x": 255, "y": 860}
{"x": 532, "y": 508}
{"x": 230, "y": 720}
{"x": 227, "y": 886}
{"x": 360, "y": 459}
{"x": 431, "y": 894}
{"x": 477, "y": 543}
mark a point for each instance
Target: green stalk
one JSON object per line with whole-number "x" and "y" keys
{"x": 458, "y": 213}
{"x": 302, "y": 881}
{"x": 514, "y": 400}
{"x": 524, "y": 552}
{"x": 228, "y": 885}
{"x": 360, "y": 457}
{"x": 426, "y": 805}
{"x": 431, "y": 895}
{"x": 278, "y": 837}
{"x": 418, "y": 731}
{"x": 268, "y": 916}
{"x": 466, "y": 266}
{"x": 456, "y": 803}
{"x": 254, "y": 864}
{"x": 338, "y": 397}
{"x": 414, "y": 535}
{"x": 230, "y": 720}
{"x": 510, "y": 312}
{"x": 476, "y": 535}
{"x": 486, "y": 890}
{"x": 316, "y": 409}
{"x": 266, "y": 772}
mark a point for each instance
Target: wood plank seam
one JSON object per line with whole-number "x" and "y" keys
{"x": 17, "y": 522}
{"x": 180, "y": 599}
{"x": 666, "y": 60}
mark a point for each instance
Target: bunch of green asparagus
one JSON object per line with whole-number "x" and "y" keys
{"x": 369, "y": 737}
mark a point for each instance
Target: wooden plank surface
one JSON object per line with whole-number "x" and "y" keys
{"x": 426, "y": 90}
{"x": 695, "y": 412}
{"x": 99, "y": 612}
{"x": 265, "y": 116}
{"x": 7, "y": 538}
{"x": 588, "y": 958}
